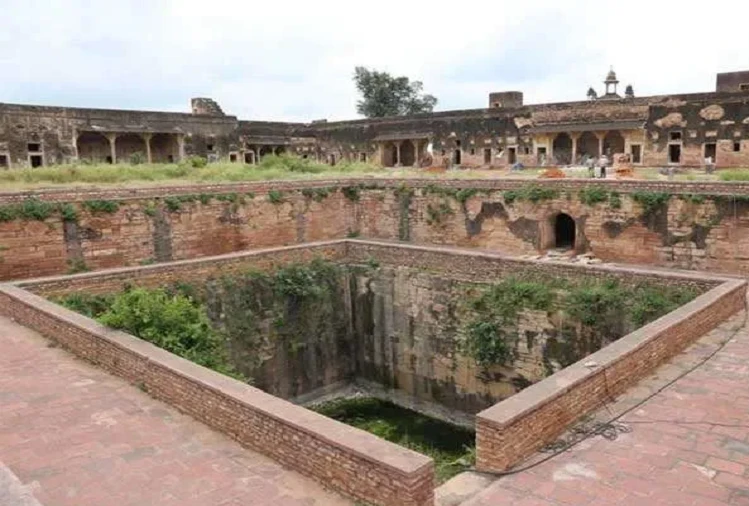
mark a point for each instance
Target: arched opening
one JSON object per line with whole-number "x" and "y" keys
{"x": 388, "y": 155}
{"x": 563, "y": 149}
{"x": 613, "y": 143}
{"x": 130, "y": 148}
{"x": 93, "y": 147}
{"x": 164, "y": 148}
{"x": 564, "y": 231}
{"x": 587, "y": 146}
{"x": 408, "y": 154}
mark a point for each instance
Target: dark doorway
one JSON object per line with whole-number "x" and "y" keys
{"x": 564, "y": 231}
{"x": 488, "y": 156}
{"x": 4, "y": 164}
{"x": 512, "y": 156}
{"x": 710, "y": 150}
{"x": 674, "y": 153}
{"x": 249, "y": 157}
{"x": 636, "y": 153}
{"x": 36, "y": 160}
{"x": 457, "y": 157}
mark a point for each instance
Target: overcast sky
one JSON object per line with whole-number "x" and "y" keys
{"x": 294, "y": 59}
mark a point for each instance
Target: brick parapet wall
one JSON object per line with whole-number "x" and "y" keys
{"x": 513, "y": 429}
{"x": 139, "y": 193}
{"x": 351, "y": 461}
{"x": 462, "y": 264}
{"x": 199, "y": 269}
{"x": 484, "y": 266}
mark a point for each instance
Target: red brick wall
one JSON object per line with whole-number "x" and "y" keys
{"x": 131, "y": 236}
{"x": 346, "y": 459}
{"x": 513, "y": 429}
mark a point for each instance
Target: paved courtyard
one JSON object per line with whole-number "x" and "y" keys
{"x": 72, "y": 435}
{"x": 688, "y": 445}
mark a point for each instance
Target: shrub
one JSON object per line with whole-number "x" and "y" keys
{"x": 101, "y": 206}
{"x": 173, "y": 322}
{"x": 137, "y": 158}
{"x": 197, "y": 162}
{"x": 275, "y": 196}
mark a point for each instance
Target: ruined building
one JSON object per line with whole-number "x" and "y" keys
{"x": 681, "y": 130}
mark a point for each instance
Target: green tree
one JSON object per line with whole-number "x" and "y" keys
{"x": 385, "y": 95}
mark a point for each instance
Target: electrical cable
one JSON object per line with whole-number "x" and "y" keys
{"x": 611, "y": 429}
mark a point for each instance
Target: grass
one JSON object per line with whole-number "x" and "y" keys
{"x": 285, "y": 167}
{"x": 450, "y": 446}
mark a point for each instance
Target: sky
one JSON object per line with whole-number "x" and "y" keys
{"x": 293, "y": 60}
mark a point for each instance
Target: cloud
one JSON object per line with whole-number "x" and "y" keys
{"x": 293, "y": 60}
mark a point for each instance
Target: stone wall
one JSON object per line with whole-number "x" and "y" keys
{"x": 348, "y": 460}
{"x": 703, "y": 226}
{"x": 513, "y": 429}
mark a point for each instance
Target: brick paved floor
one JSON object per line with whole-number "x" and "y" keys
{"x": 73, "y": 435}
{"x": 696, "y": 455}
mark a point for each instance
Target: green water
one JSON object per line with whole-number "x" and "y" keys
{"x": 451, "y": 447}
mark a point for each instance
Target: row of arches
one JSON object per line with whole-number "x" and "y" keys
{"x": 588, "y": 145}
{"x": 156, "y": 148}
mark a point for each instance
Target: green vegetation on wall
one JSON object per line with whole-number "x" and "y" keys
{"x": 593, "y": 312}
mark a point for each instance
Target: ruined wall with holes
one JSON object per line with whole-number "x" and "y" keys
{"x": 698, "y": 226}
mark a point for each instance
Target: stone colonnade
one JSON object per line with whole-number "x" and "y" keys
{"x": 567, "y": 148}
{"x": 117, "y": 146}
{"x": 402, "y": 153}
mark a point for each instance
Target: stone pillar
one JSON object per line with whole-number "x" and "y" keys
{"x": 257, "y": 155}
{"x": 600, "y": 136}
{"x": 147, "y": 140}
{"x": 415, "y": 142}
{"x": 398, "y": 154}
{"x": 575, "y": 137}
{"x": 112, "y": 146}
{"x": 181, "y": 146}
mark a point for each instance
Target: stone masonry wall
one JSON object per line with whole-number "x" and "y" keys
{"x": 709, "y": 233}
{"x": 346, "y": 459}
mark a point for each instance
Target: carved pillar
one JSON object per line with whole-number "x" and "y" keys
{"x": 398, "y": 153}
{"x": 112, "y": 146}
{"x": 147, "y": 140}
{"x": 416, "y": 152}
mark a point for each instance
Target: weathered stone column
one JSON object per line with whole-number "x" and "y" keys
{"x": 181, "y": 146}
{"x": 398, "y": 153}
{"x": 416, "y": 152}
{"x": 600, "y": 136}
{"x": 575, "y": 137}
{"x": 112, "y": 146}
{"x": 147, "y": 139}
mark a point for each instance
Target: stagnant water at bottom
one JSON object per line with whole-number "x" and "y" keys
{"x": 451, "y": 446}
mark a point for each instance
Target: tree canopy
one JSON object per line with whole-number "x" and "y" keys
{"x": 385, "y": 95}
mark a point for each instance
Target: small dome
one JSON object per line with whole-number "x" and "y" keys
{"x": 611, "y": 76}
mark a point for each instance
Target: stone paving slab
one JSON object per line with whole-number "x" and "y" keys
{"x": 688, "y": 445}
{"x": 72, "y": 435}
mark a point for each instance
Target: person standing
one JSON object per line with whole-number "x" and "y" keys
{"x": 591, "y": 164}
{"x": 602, "y": 164}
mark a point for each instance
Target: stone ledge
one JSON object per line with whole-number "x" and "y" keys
{"x": 135, "y": 193}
